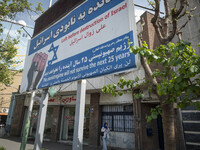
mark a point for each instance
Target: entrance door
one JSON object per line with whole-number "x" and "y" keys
{"x": 68, "y": 123}
{"x": 67, "y": 128}
{"x": 48, "y": 122}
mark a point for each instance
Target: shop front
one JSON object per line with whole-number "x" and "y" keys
{"x": 48, "y": 124}
{"x": 60, "y": 118}
{"x": 52, "y": 119}
{"x": 3, "y": 117}
{"x": 68, "y": 117}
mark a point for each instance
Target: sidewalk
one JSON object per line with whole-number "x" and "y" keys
{"x": 13, "y": 143}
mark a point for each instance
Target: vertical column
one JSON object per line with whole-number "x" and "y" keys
{"x": 95, "y": 126}
{"x": 50, "y": 3}
{"x": 55, "y": 124}
{"x": 27, "y": 123}
{"x": 79, "y": 116}
{"x": 10, "y": 114}
{"x": 41, "y": 120}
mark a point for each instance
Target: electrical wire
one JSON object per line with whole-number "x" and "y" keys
{"x": 111, "y": 80}
{"x": 10, "y": 27}
{"x": 66, "y": 86}
{"x": 143, "y": 7}
{"x": 94, "y": 86}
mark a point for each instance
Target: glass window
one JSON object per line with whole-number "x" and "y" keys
{"x": 119, "y": 118}
{"x": 48, "y": 123}
{"x": 68, "y": 124}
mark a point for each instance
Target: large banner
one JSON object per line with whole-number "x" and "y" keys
{"x": 90, "y": 41}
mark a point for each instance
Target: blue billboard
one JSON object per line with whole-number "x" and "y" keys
{"x": 90, "y": 41}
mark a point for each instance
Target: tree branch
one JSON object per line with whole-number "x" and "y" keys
{"x": 183, "y": 14}
{"x": 146, "y": 66}
{"x": 167, "y": 15}
{"x": 155, "y": 23}
{"x": 175, "y": 3}
{"x": 182, "y": 6}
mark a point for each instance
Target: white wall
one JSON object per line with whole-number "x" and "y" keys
{"x": 107, "y": 99}
{"x": 98, "y": 83}
{"x": 122, "y": 140}
{"x": 191, "y": 32}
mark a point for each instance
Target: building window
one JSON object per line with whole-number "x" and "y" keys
{"x": 67, "y": 127}
{"x": 119, "y": 118}
{"x": 48, "y": 122}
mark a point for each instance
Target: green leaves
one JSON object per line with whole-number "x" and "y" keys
{"x": 178, "y": 71}
{"x": 178, "y": 75}
{"x": 111, "y": 89}
{"x": 194, "y": 68}
{"x": 8, "y": 49}
{"x": 124, "y": 86}
{"x": 138, "y": 96}
{"x": 39, "y": 7}
{"x": 197, "y": 105}
{"x": 154, "y": 113}
{"x": 10, "y": 8}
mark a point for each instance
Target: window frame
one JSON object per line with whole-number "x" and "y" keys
{"x": 123, "y": 113}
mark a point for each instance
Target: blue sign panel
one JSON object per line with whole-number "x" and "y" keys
{"x": 90, "y": 41}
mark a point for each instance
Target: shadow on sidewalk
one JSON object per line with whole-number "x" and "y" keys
{"x": 13, "y": 143}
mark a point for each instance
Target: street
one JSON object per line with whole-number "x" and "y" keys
{"x": 13, "y": 143}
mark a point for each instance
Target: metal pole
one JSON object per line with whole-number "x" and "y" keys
{"x": 50, "y": 3}
{"x": 10, "y": 114}
{"x": 27, "y": 124}
{"x": 41, "y": 120}
{"x": 79, "y": 116}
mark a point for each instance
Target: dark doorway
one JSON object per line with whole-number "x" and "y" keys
{"x": 160, "y": 133}
{"x": 3, "y": 119}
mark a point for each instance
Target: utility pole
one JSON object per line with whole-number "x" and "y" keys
{"x": 79, "y": 116}
{"x": 41, "y": 120}
{"x": 50, "y": 3}
{"x": 27, "y": 124}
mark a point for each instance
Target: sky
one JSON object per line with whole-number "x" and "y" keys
{"x": 11, "y": 29}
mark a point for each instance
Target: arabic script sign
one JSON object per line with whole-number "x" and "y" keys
{"x": 90, "y": 41}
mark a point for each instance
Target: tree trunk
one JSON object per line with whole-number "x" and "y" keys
{"x": 137, "y": 121}
{"x": 168, "y": 126}
{"x": 180, "y": 141}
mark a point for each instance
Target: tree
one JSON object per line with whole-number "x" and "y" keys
{"x": 178, "y": 81}
{"x": 8, "y": 49}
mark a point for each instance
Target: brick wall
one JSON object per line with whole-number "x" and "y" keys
{"x": 18, "y": 116}
{"x": 149, "y": 36}
{"x": 56, "y": 123}
{"x": 94, "y": 133}
{"x": 6, "y": 94}
{"x": 58, "y": 10}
